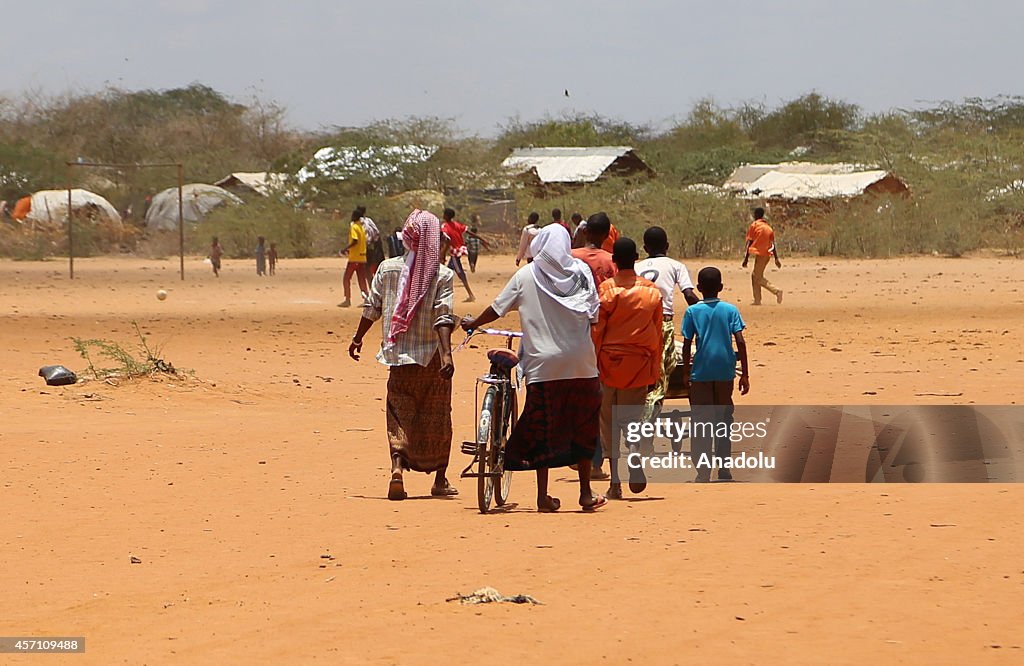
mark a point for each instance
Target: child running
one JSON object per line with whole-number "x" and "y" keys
{"x": 216, "y": 252}
{"x": 457, "y": 233}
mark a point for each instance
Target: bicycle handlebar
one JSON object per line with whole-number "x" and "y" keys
{"x": 496, "y": 331}
{"x": 487, "y": 331}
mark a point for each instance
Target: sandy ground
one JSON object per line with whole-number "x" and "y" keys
{"x": 231, "y": 489}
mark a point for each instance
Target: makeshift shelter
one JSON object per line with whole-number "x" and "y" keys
{"x": 575, "y": 165}
{"x": 198, "y": 200}
{"x": 804, "y": 181}
{"x": 263, "y": 183}
{"x": 51, "y": 207}
{"x": 343, "y": 163}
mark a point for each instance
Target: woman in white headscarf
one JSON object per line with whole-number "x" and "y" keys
{"x": 557, "y": 305}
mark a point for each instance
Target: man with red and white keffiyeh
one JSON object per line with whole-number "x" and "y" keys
{"x": 413, "y": 297}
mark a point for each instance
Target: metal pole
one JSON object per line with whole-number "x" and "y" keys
{"x": 181, "y": 218}
{"x": 71, "y": 243}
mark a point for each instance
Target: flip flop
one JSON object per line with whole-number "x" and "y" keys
{"x": 556, "y": 504}
{"x": 396, "y": 489}
{"x": 447, "y": 491}
{"x": 599, "y": 501}
{"x": 637, "y": 480}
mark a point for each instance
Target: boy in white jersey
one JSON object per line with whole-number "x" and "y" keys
{"x": 668, "y": 275}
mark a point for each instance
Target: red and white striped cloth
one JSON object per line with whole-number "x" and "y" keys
{"x": 422, "y": 238}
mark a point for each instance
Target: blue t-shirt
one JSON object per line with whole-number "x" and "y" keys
{"x": 713, "y": 322}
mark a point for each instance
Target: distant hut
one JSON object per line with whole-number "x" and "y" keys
{"x": 574, "y": 166}
{"x": 262, "y": 183}
{"x": 198, "y": 199}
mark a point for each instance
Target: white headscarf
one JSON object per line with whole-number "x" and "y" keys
{"x": 560, "y": 275}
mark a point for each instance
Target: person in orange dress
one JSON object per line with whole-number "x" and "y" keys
{"x": 627, "y": 341}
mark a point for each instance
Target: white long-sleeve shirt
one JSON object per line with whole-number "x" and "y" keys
{"x": 530, "y": 232}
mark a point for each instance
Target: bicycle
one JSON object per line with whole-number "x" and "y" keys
{"x": 497, "y": 415}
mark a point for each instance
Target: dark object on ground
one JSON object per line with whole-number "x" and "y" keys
{"x": 57, "y": 375}
{"x": 488, "y": 595}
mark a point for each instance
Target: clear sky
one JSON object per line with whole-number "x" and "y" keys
{"x": 481, "y": 62}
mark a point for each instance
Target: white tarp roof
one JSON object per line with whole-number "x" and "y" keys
{"x": 198, "y": 200}
{"x": 743, "y": 176}
{"x": 781, "y": 185}
{"x": 565, "y": 165}
{"x": 375, "y": 161}
{"x": 261, "y": 182}
{"x": 1012, "y": 188}
{"x": 51, "y": 206}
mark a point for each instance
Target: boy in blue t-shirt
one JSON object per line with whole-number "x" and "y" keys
{"x": 714, "y": 324}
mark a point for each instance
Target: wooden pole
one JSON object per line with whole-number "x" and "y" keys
{"x": 181, "y": 218}
{"x": 71, "y": 242}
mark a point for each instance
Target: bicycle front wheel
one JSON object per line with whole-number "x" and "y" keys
{"x": 486, "y": 445}
{"x": 503, "y": 483}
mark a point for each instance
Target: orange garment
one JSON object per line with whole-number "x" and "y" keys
{"x": 613, "y": 235}
{"x": 600, "y": 262}
{"x": 22, "y": 208}
{"x": 763, "y": 237}
{"x": 627, "y": 337}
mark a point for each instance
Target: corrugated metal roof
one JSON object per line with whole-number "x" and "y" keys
{"x": 780, "y": 185}
{"x": 565, "y": 165}
{"x": 261, "y": 182}
{"x": 746, "y": 174}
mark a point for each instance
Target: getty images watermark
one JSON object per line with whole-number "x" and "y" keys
{"x": 825, "y": 443}
{"x": 712, "y": 435}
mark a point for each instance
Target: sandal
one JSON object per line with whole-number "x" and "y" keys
{"x": 599, "y": 501}
{"x": 555, "y": 505}
{"x": 637, "y": 480}
{"x": 396, "y": 489}
{"x": 614, "y": 491}
{"x": 448, "y": 490}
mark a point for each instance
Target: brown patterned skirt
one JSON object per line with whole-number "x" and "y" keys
{"x": 560, "y": 425}
{"x": 419, "y": 413}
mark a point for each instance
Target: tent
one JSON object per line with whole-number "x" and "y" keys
{"x": 51, "y": 207}
{"x": 198, "y": 200}
{"x": 345, "y": 162}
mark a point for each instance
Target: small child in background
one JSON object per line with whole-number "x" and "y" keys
{"x": 216, "y": 252}
{"x": 473, "y": 241}
{"x": 272, "y": 257}
{"x": 261, "y": 256}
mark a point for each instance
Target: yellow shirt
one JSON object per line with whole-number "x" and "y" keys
{"x": 357, "y": 235}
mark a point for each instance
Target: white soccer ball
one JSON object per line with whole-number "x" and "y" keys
{"x": 162, "y": 294}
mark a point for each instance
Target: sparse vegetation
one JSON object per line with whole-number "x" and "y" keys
{"x": 146, "y": 362}
{"x": 954, "y": 155}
